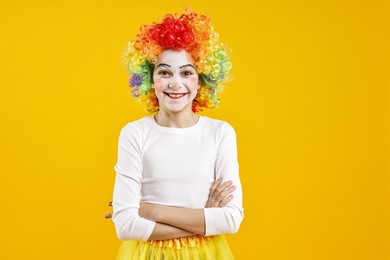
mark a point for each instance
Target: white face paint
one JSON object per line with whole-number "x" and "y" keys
{"x": 176, "y": 69}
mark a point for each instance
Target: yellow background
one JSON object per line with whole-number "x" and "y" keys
{"x": 309, "y": 102}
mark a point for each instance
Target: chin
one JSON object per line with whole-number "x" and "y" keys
{"x": 177, "y": 108}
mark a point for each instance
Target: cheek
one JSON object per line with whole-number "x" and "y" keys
{"x": 194, "y": 82}
{"x": 158, "y": 85}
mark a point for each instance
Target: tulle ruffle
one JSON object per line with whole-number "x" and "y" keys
{"x": 187, "y": 248}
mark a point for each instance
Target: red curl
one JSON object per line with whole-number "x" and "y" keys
{"x": 172, "y": 33}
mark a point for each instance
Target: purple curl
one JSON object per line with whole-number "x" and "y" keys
{"x": 135, "y": 92}
{"x": 136, "y": 80}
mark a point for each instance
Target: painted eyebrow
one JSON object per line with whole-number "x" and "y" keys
{"x": 166, "y": 65}
{"x": 163, "y": 64}
{"x": 186, "y": 66}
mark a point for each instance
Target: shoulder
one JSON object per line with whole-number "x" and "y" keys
{"x": 136, "y": 128}
{"x": 137, "y": 124}
{"x": 221, "y": 125}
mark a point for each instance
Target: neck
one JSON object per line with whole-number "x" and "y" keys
{"x": 176, "y": 119}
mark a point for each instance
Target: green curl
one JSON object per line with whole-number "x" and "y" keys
{"x": 145, "y": 70}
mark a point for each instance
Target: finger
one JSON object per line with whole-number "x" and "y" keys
{"x": 108, "y": 215}
{"x": 110, "y": 203}
{"x": 225, "y": 201}
{"x": 223, "y": 186}
{"x": 215, "y": 185}
{"x": 226, "y": 192}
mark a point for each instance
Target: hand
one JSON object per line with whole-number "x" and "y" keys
{"x": 109, "y": 215}
{"x": 218, "y": 194}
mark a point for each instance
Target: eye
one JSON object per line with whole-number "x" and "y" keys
{"x": 188, "y": 73}
{"x": 163, "y": 73}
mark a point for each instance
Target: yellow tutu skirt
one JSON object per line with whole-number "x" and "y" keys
{"x": 187, "y": 248}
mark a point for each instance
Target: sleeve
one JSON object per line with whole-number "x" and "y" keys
{"x": 127, "y": 189}
{"x": 226, "y": 220}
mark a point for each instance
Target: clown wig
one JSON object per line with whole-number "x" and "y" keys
{"x": 188, "y": 31}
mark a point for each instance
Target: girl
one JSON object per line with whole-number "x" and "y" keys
{"x": 177, "y": 188}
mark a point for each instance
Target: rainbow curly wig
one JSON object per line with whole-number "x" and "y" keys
{"x": 188, "y": 31}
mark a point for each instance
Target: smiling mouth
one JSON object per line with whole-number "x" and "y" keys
{"x": 175, "y": 95}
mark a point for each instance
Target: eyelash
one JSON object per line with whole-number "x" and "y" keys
{"x": 166, "y": 73}
{"x": 163, "y": 72}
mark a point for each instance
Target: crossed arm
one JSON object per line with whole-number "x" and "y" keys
{"x": 174, "y": 222}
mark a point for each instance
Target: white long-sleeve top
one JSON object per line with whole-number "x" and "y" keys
{"x": 175, "y": 167}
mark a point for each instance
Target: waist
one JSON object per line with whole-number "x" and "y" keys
{"x": 177, "y": 243}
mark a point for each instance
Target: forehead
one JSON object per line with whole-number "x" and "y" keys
{"x": 175, "y": 57}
